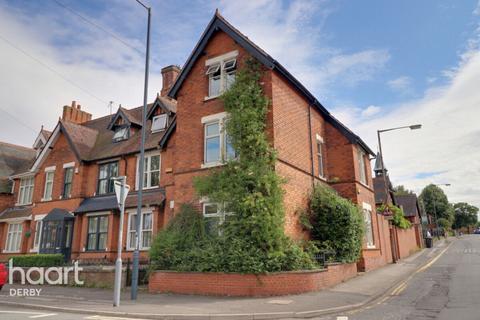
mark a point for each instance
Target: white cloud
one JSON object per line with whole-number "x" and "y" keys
{"x": 448, "y": 143}
{"x": 370, "y": 111}
{"x": 293, "y": 35}
{"x": 401, "y": 84}
{"x": 477, "y": 9}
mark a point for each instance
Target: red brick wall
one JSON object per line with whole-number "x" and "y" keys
{"x": 234, "y": 284}
{"x": 6, "y": 200}
{"x": 407, "y": 243}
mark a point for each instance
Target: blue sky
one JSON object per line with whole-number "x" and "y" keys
{"x": 374, "y": 64}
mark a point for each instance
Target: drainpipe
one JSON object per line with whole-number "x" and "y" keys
{"x": 311, "y": 143}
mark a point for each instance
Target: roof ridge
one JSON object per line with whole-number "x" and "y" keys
{"x": 16, "y": 145}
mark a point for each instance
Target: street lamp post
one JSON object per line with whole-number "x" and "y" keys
{"x": 435, "y": 207}
{"x": 411, "y": 127}
{"x": 121, "y": 191}
{"x": 136, "y": 253}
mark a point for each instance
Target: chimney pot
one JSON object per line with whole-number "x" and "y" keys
{"x": 74, "y": 114}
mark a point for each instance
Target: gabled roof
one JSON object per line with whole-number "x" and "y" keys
{"x": 14, "y": 159}
{"x": 126, "y": 116}
{"x": 93, "y": 140}
{"x": 167, "y": 104}
{"x": 219, "y": 23}
{"x": 409, "y": 204}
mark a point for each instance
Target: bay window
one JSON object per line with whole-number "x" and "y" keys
{"x": 97, "y": 233}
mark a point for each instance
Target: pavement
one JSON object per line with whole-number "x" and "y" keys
{"x": 448, "y": 288}
{"x": 365, "y": 289}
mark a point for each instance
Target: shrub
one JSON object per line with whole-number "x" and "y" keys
{"x": 399, "y": 219}
{"x": 39, "y": 260}
{"x": 335, "y": 223}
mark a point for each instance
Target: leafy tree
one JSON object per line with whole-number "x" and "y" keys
{"x": 400, "y": 190}
{"x": 336, "y": 224}
{"x": 444, "y": 223}
{"x": 436, "y": 201}
{"x": 466, "y": 215}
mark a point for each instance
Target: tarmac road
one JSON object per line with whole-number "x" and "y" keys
{"x": 448, "y": 289}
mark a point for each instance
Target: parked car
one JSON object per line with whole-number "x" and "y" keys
{"x": 3, "y": 275}
{"x": 477, "y": 231}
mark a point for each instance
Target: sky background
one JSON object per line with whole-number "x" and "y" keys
{"x": 373, "y": 64}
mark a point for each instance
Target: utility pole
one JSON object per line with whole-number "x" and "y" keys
{"x": 121, "y": 191}
{"x": 136, "y": 253}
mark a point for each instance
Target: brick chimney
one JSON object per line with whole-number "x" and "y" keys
{"x": 74, "y": 114}
{"x": 169, "y": 75}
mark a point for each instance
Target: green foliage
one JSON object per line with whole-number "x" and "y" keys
{"x": 399, "y": 219}
{"x": 401, "y": 190}
{"x": 39, "y": 260}
{"x": 252, "y": 240}
{"x": 435, "y": 201}
{"x": 466, "y": 215}
{"x": 336, "y": 224}
{"x": 444, "y": 223}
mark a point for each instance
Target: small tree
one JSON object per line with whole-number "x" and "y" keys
{"x": 335, "y": 223}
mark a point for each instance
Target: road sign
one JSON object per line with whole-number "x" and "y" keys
{"x": 118, "y": 191}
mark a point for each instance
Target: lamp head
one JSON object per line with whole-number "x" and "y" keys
{"x": 415, "y": 126}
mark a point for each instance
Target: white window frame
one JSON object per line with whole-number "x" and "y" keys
{"x": 221, "y": 214}
{"x": 38, "y": 232}
{"x": 362, "y": 167}
{"x": 163, "y": 115}
{"x": 320, "y": 157}
{"x": 212, "y": 64}
{"x": 131, "y": 233}
{"x": 14, "y": 245}
{"x": 48, "y": 171}
{"x": 26, "y": 189}
{"x": 367, "y": 217}
{"x": 219, "y": 118}
{"x": 149, "y": 171}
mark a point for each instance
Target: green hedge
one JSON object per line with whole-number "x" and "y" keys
{"x": 39, "y": 260}
{"x": 335, "y": 223}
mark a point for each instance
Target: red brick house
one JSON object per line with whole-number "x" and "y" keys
{"x": 313, "y": 147}
{"x": 64, "y": 201}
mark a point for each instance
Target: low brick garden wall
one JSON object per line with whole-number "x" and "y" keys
{"x": 249, "y": 285}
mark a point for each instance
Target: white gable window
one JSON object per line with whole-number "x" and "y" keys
{"x": 221, "y": 73}
{"x": 121, "y": 134}
{"x": 14, "y": 237}
{"x": 159, "y": 123}
{"x": 217, "y": 146}
{"x": 25, "y": 193}
{"x": 47, "y": 193}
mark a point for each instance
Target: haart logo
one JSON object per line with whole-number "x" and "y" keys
{"x": 52, "y": 275}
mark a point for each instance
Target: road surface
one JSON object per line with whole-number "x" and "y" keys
{"x": 448, "y": 289}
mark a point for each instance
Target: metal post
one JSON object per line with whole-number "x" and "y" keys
{"x": 136, "y": 253}
{"x": 118, "y": 262}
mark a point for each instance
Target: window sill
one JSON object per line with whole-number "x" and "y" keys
{"x": 211, "y": 97}
{"x": 22, "y": 204}
{"x": 211, "y": 165}
{"x": 34, "y": 250}
{"x": 6, "y": 251}
{"x": 141, "y": 249}
{"x": 46, "y": 200}
{"x": 370, "y": 248}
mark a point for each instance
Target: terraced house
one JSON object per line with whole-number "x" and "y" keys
{"x": 70, "y": 204}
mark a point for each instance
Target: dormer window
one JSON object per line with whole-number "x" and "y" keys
{"x": 221, "y": 73}
{"x": 159, "y": 123}
{"x": 121, "y": 134}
